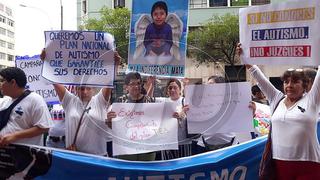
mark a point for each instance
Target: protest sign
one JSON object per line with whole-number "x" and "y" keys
{"x": 219, "y": 108}
{"x": 143, "y": 127}
{"x": 158, "y": 48}
{"x": 281, "y": 33}
{"x": 35, "y": 82}
{"x": 262, "y": 118}
{"x": 79, "y": 58}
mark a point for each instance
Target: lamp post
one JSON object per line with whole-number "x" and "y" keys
{"x": 41, "y": 10}
{"x": 61, "y": 14}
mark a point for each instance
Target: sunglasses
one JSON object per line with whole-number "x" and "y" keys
{"x": 297, "y": 70}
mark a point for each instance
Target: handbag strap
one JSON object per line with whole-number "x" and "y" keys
{"x": 5, "y": 119}
{"x": 80, "y": 122}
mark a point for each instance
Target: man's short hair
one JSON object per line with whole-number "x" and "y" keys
{"x": 14, "y": 73}
{"x": 255, "y": 89}
{"x": 130, "y": 76}
{"x": 161, "y": 5}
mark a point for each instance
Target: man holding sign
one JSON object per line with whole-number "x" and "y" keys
{"x": 133, "y": 82}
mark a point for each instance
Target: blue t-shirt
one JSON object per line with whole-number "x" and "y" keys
{"x": 158, "y": 39}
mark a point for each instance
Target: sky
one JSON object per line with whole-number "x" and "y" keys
{"x": 37, "y": 17}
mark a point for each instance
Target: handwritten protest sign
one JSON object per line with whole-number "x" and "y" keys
{"x": 143, "y": 127}
{"x": 32, "y": 68}
{"x": 282, "y": 33}
{"x": 79, "y": 58}
{"x": 219, "y": 108}
{"x": 158, "y": 48}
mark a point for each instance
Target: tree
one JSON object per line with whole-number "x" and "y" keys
{"x": 216, "y": 41}
{"x": 116, "y": 22}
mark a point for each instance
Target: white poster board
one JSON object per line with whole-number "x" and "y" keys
{"x": 281, "y": 33}
{"x": 143, "y": 127}
{"x": 219, "y": 108}
{"x": 79, "y": 58}
{"x": 35, "y": 82}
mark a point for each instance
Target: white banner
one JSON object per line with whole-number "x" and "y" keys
{"x": 35, "y": 82}
{"x": 143, "y": 127}
{"x": 79, "y": 58}
{"x": 281, "y": 33}
{"x": 219, "y": 108}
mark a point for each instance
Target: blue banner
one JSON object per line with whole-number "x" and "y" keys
{"x": 236, "y": 162}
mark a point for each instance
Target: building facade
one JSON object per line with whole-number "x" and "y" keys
{"x": 200, "y": 11}
{"x": 7, "y": 36}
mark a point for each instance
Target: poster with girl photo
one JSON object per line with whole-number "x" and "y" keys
{"x": 158, "y": 34}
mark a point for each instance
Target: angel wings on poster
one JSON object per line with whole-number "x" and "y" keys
{"x": 158, "y": 33}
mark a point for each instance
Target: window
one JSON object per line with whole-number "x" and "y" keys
{"x": 2, "y": 31}
{"x": 259, "y": 2}
{"x": 198, "y": 3}
{"x": 2, "y": 55}
{"x": 2, "y": 43}
{"x": 10, "y": 34}
{"x": 2, "y": 19}
{"x": 10, "y": 58}
{"x": 9, "y": 11}
{"x": 239, "y": 2}
{"x": 1, "y": 7}
{"x": 215, "y": 3}
{"x": 10, "y": 23}
{"x": 10, "y": 46}
{"x": 119, "y": 3}
{"x": 84, "y": 7}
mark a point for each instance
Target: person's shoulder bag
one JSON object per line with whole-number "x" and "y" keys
{"x": 267, "y": 169}
{"x": 5, "y": 114}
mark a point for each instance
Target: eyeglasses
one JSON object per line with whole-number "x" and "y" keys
{"x": 173, "y": 88}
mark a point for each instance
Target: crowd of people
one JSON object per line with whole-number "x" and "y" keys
{"x": 83, "y": 121}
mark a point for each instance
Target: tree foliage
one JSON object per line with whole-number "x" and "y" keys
{"x": 116, "y": 22}
{"x": 216, "y": 40}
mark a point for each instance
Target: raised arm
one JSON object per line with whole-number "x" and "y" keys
{"x": 315, "y": 89}
{"x": 272, "y": 93}
{"x": 60, "y": 89}
{"x": 107, "y": 91}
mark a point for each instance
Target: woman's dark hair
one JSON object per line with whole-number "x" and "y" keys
{"x": 14, "y": 73}
{"x": 130, "y": 76}
{"x": 161, "y": 5}
{"x": 310, "y": 73}
{"x": 295, "y": 74}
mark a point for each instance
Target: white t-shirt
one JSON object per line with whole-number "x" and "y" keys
{"x": 294, "y": 135}
{"x": 29, "y": 112}
{"x": 5, "y": 102}
{"x": 57, "y": 116}
{"x": 93, "y": 133}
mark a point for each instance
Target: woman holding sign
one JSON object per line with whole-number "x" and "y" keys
{"x": 295, "y": 149}
{"x": 84, "y": 116}
{"x": 173, "y": 90}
